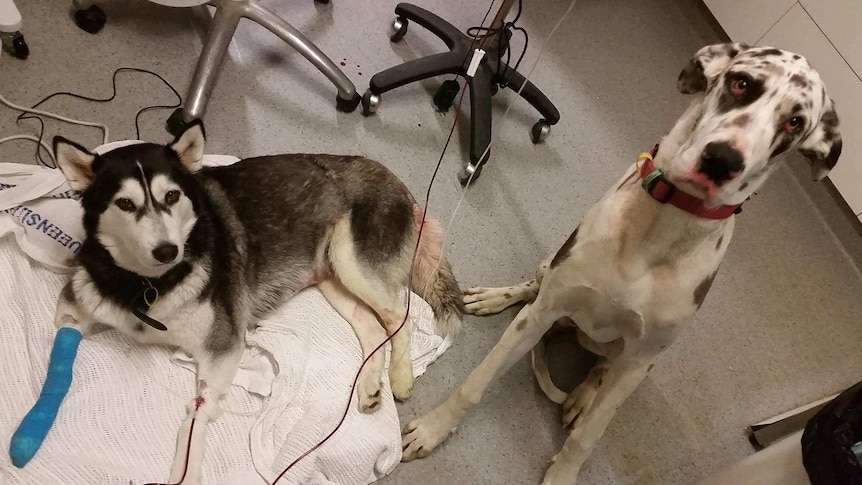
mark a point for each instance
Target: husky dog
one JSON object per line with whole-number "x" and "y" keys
{"x": 181, "y": 255}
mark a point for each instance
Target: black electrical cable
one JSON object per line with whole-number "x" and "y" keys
{"x": 27, "y": 116}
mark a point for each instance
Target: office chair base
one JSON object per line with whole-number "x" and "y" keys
{"x": 16, "y": 45}
{"x": 227, "y": 16}
{"x": 491, "y": 74}
{"x": 347, "y": 105}
{"x": 91, "y": 19}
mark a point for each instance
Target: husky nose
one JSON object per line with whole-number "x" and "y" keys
{"x": 165, "y": 253}
{"x": 720, "y": 162}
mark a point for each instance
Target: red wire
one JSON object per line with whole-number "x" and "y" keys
{"x": 406, "y": 315}
{"x": 188, "y": 452}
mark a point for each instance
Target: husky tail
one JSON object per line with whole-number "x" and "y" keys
{"x": 433, "y": 279}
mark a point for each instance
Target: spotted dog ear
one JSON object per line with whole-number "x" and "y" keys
{"x": 705, "y": 66}
{"x": 823, "y": 146}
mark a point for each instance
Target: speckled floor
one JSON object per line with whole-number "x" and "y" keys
{"x": 779, "y": 329}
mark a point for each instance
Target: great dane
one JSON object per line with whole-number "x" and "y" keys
{"x": 642, "y": 260}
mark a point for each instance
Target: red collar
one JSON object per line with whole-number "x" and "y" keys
{"x": 660, "y": 188}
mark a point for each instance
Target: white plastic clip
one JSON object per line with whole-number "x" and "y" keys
{"x": 478, "y": 54}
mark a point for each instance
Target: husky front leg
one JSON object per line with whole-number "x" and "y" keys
{"x": 215, "y": 374}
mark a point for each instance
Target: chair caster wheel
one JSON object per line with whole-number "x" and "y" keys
{"x": 469, "y": 171}
{"x": 445, "y": 95}
{"x": 91, "y": 19}
{"x": 16, "y": 45}
{"x": 347, "y": 105}
{"x": 399, "y": 29}
{"x": 176, "y": 125}
{"x": 540, "y": 131}
{"x": 370, "y": 102}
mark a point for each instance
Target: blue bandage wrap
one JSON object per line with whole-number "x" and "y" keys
{"x": 35, "y": 425}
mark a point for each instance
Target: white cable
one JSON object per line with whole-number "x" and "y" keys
{"x": 46, "y": 114}
{"x": 31, "y": 138}
{"x": 505, "y": 117}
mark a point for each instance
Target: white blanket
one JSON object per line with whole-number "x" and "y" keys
{"x": 118, "y": 423}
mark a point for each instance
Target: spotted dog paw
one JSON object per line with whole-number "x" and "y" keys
{"x": 484, "y": 301}
{"x": 582, "y": 397}
{"x": 422, "y": 435}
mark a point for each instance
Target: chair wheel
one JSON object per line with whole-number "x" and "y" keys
{"x": 347, "y": 105}
{"x": 176, "y": 125}
{"x": 91, "y": 19}
{"x": 19, "y": 47}
{"x": 445, "y": 95}
{"x": 540, "y": 131}
{"x": 370, "y": 102}
{"x": 399, "y": 29}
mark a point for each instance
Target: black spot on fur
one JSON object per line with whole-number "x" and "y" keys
{"x": 600, "y": 381}
{"x": 743, "y": 186}
{"x": 650, "y": 367}
{"x": 767, "y": 53}
{"x": 718, "y": 244}
{"x": 374, "y": 405}
{"x": 796, "y": 57}
{"x": 741, "y": 120}
{"x": 702, "y": 289}
{"x": 376, "y": 394}
{"x": 663, "y": 347}
{"x": 692, "y": 79}
{"x": 139, "y": 327}
{"x": 753, "y": 91}
{"x": 521, "y": 325}
{"x": 799, "y": 80}
{"x": 507, "y": 295}
{"x": 564, "y": 251}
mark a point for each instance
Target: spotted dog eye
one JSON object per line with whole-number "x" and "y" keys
{"x": 794, "y": 124}
{"x": 125, "y": 205}
{"x": 172, "y": 197}
{"x": 738, "y": 86}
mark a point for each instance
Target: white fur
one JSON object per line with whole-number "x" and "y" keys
{"x": 629, "y": 284}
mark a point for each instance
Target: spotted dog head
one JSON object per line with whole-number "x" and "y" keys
{"x": 755, "y": 104}
{"x": 139, "y": 201}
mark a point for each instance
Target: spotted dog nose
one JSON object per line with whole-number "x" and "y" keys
{"x": 165, "y": 253}
{"x": 720, "y": 162}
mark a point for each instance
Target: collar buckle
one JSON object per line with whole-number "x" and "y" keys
{"x": 650, "y": 182}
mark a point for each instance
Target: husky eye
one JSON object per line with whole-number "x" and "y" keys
{"x": 125, "y": 205}
{"x": 172, "y": 197}
{"x": 794, "y": 124}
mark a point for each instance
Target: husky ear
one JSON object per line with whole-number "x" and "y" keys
{"x": 823, "y": 146}
{"x": 75, "y": 161}
{"x": 705, "y": 66}
{"x": 190, "y": 145}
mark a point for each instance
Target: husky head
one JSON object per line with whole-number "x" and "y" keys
{"x": 140, "y": 200}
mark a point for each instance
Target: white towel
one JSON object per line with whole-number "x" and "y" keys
{"x": 118, "y": 424}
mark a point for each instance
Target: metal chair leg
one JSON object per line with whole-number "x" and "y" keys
{"x": 295, "y": 39}
{"x": 209, "y": 63}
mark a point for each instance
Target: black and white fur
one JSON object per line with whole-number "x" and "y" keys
{"x": 226, "y": 246}
{"x": 635, "y": 270}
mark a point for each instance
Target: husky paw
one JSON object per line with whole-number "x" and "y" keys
{"x": 401, "y": 380}
{"x": 484, "y": 301}
{"x": 370, "y": 395}
{"x": 422, "y": 435}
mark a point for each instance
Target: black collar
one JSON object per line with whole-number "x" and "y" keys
{"x": 141, "y": 303}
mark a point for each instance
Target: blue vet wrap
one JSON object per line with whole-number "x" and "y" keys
{"x": 35, "y": 425}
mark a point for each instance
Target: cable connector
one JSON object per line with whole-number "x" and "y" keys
{"x": 478, "y": 55}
